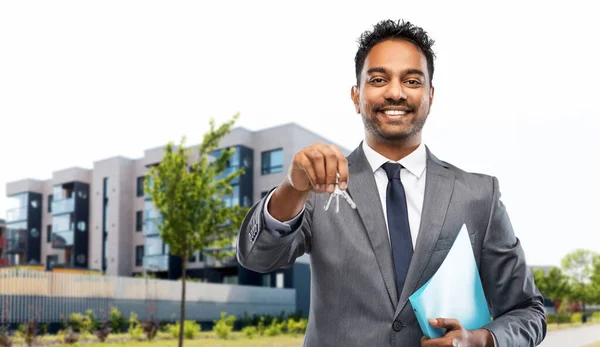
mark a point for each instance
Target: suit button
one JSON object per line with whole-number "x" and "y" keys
{"x": 397, "y": 326}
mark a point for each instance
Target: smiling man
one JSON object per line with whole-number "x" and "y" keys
{"x": 410, "y": 206}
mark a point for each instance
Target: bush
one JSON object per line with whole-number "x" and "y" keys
{"x": 5, "y": 338}
{"x": 76, "y": 321}
{"x": 297, "y": 327}
{"x": 191, "y": 329}
{"x": 103, "y": 331}
{"x": 224, "y": 325}
{"x": 150, "y": 329}
{"x": 91, "y": 322}
{"x": 595, "y": 317}
{"x": 67, "y": 336}
{"x": 135, "y": 328}
{"x": 117, "y": 320}
{"x": 261, "y": 326}
{"x": 249, "y": 331}
{"x": 246, "y": 320}
{"x": 576, "y": 317}
{"x": 275, "y": 328}
{"x": 559, "y": 318}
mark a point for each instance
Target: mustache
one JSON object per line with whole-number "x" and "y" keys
{"x": 391, "y": 103}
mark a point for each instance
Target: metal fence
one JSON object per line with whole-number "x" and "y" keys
{"x": 51, "y": 296}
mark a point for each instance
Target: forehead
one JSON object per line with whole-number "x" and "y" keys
{"x": 396, "y": 55}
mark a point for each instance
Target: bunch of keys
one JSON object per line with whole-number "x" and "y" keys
{"x": 337, "y": 192}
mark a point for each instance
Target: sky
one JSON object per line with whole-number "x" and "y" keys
{"x": 516, "y": 87}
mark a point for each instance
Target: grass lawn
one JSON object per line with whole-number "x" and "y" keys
{"x": 205, "y": 339}
{"x": 277, "y": 341}
{"x": 597, "y": 344}
{"x": 555, "y": 326}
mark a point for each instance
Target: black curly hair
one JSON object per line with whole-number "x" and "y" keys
{"x": 390, "y": 30}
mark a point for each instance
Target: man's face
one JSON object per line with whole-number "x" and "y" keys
{"x": 395, "y": 94}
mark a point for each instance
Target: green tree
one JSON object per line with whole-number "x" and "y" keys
{"x": 578, "y": 266}
{"x": 190, "y": 199}
{"x": 553, "y": 285}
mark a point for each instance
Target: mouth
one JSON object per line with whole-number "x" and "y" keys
{"x": 394, "y": 113}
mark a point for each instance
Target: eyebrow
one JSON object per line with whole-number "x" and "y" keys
{"x": 379, "y": 69}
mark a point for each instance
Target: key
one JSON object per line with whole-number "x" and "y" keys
{"x": 337, "y": 192}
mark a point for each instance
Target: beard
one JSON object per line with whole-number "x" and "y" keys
{"x": 394, "y": 130}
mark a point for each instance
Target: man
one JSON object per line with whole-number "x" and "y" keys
{"x": 410, "y": 206}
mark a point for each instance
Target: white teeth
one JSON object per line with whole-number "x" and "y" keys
{"x": 394, "y": 113}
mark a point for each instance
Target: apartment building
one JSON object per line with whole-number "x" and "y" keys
{"x": 101, "y": 219}
{"x": 3, "y": 260}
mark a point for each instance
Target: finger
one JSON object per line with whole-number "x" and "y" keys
{"x": 331, "y": 165}
{"x": 439, "y": 342}
{"x": 306, "y": 165}
{"x": 445, "y": 323}
{"x": 318, "y": 163}
{"x": 425, "y": 342}
{"x": 342, "y": 167}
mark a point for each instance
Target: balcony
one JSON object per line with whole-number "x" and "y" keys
{"x": 16, "y": 214}
{"x": 151, "y": 227}
{"x": 155, "y": 263}
{"x": 63, "y": 206}
{"x": 63, "y": 239}
{"x": 15, "y": 240}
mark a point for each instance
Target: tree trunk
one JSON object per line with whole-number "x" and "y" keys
{"x": 182, "y": 320}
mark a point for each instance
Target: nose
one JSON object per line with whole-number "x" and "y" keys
{"x": 394, "y": 91}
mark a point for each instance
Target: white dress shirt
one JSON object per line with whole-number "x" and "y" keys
{"x": 413, "y": 179}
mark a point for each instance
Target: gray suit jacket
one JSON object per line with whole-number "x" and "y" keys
{"x": 353, "y": 296}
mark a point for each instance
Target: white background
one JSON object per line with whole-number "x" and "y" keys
{"x": 516, "y": 89}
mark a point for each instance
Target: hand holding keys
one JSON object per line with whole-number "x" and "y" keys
{"x": 337, "y": 192}
{"x": 320, "y": 168}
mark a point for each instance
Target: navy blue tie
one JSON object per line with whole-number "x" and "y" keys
{"x": 397, "y": 216}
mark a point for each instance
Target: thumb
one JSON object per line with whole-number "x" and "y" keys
{"x": 445, "y": 323}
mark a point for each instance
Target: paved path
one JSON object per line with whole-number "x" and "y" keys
{"x": 575, "y": 337}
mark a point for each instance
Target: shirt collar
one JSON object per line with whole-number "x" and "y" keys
{"x": 415, "y": 162}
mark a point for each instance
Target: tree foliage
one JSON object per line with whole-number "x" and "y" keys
{"x": 188, "y": 189}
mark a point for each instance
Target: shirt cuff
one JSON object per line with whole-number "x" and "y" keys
{"x": 274, "y": 226}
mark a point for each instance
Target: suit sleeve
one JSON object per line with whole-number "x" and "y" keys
{"x": 276, "y": 227}
{"x": 262, "y": 250}
{"x": 517, "y": 308}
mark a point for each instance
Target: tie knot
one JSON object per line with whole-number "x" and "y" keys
{"x": 392, "y": 170}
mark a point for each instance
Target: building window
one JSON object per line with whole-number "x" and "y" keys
{"x": 51, "y": 260}
{"x": 105, "y": 187}
{"x": 49, "y": 233}
{"x": 140, "y": 186}
{"x": 50, "y": 199}
{"x": 266, "y": 280}
{"x": 279, "y": 280}
{"x": 139, "y": 220}
{"x": 192, "y": 258}
{"x": 139, "y": 255}
{"x": 201, "y": 256}
{"x": 272, "y": 161}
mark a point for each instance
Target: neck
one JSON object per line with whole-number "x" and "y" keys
{"x": 393, "y": 149}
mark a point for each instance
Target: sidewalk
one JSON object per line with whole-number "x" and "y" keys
{"x": 574, "y": 337}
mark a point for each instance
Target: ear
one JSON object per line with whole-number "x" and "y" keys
{"x": 431, "y": 92}
{"x": 355, "y": 95}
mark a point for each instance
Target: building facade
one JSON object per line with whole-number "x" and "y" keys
{"x": 3, "y": 259}
{"x": 101, "y": 219}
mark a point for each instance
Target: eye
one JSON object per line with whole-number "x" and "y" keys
{"x": 377, "y": 80}
{"x": 414, "y": 82}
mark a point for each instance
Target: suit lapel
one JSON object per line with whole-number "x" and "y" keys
{"x": 363, "y": 189}
{"x": 438, "y": 190}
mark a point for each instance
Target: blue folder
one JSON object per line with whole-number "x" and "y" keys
{"x": 454, "y": 291}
